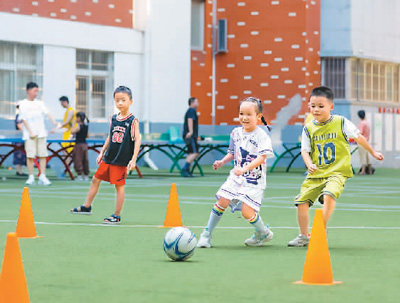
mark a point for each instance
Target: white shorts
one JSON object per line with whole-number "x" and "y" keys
{"x": 36, "y": 147}
{"x": 239, "y": 193}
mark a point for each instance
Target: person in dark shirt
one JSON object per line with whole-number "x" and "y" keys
{"x": 80, "y": 153}
{"x": 190, "y": 134}
{"x": 118, "y": 155}
{"x": 19, "y": 157}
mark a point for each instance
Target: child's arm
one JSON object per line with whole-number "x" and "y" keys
{"x": 103, "y": 150}
{"x": 364, "y": 143}
{"x": 138, "y": 141}
{"x": 308, "y": 162}
{"x": 219, "y": 163}
{"x": 31, "y": 134}
{"x": 253, "y": 164}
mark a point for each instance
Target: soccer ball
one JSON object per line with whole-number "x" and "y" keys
{"x": 179, "y": 243}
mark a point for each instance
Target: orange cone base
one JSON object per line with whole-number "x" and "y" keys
{"x": 322, "y": 284}
{"x": 29, "y": 237}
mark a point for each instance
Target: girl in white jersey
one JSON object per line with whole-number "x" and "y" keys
{"x": 249, "y": 147}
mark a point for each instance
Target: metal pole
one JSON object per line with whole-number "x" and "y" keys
{"x": 214, "y": 48}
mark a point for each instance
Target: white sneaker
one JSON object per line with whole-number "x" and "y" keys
{"x": 300, "y": 241}
{"x": 86, "y": 178}
{"x": 205, "y": 240}
{"x": 259, "y": 238}
{"x": 79, "y": 178}
{"x": 44, "y": 181}
{"x": 31, "y": 180}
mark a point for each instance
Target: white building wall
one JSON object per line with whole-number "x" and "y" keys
{"x": 168, "y": 32}
{"x": 46, "y": 31}
{"x": 128, "y": 72}
{"x": 375, "y": 29}
{"x": 59, "y": 77}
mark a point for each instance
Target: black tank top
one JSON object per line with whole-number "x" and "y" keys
{"x": 120, "y": 149}
{"x": 82, "y": 134}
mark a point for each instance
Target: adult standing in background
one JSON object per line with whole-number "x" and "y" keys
{"x": 32, "y": 112}
{"x": 69, "y": 120}
{"x": 365, "y": 130}
{"x": 190, "y": 134}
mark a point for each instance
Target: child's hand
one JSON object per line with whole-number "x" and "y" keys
{"x": 239, "y": 171}
{"x": 32, "y": 135}
{"x": 378, "y": 156}
{"x": 217, "y": 164}
{"x": 99, "y": 158}
{"x": 131, "y": 165}
{"x": 312, "y": 168}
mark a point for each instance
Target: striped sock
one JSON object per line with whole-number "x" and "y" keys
{"x": 216, "y": 214}
{"x": 258, "y": 223}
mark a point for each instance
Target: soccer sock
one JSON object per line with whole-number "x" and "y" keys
{"x": 187, "y": 166}
{"x": 258, "y": 223}
{"x": 215, "y": 216}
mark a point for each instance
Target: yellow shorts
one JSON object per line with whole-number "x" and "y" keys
{"x": 36, "y": 147}
{"x": 315, "y": 188}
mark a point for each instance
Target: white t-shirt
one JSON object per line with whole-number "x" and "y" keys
{"x": 33, "y": 113}
{"x": 349, "y": 129}
{"x": 246, "y": 147}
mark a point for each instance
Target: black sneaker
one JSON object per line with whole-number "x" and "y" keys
{"x": 21, "y": 174}
{"x": 186, "y": 173}
{"x": 81, "y": 210}
{"x": 113, "y": 219}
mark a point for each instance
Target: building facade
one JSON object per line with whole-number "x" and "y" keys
{"x": 219, "y": 51}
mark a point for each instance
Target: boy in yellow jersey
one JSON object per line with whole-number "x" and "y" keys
{"x": 326, "y": 152}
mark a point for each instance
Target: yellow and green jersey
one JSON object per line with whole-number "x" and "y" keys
{"x": 329, "y": 147}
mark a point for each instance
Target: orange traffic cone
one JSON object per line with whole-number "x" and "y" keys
{"x": 173, "y": 215}
{"x": 26, "y": 224}
{"x": 317, "y": 268}
{"x": 13, "y": 286}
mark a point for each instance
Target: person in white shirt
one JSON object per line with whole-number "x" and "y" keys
{"x": 32, "y": 112}
{"x": 249, "y": 147}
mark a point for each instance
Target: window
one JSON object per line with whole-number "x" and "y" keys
{"x": 19, "y": 64}
{"x": 197, "y": 25}
{"x": 334, "y": 76}
{"x": 374, "y": 81}
{"x": 93, "y": 83}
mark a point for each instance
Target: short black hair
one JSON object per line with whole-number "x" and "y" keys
{"x": 31, "y": 85}
{"x": 123, "y": 89}
{"x": 191, "y": 100}
{"x": 64, "y": 98}
{"x": 322, "y": 91}
{"x": 361, "y": 114}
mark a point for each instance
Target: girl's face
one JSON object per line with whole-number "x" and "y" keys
{"x": 78, "y": 119}
{"x": 248, "y": 116}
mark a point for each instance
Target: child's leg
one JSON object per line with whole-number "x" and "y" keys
{"x": 302, "y": 218}
{"x": 328, "y": 208}
{"x": 94, "y": 188}
{"x": 216, "y": 213}
{"x": 262, "y": 234}
{"x": 120, "y": 199}
{"x": 253, "y": 217}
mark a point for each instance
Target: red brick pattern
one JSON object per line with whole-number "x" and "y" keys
{"x": 273, "y": 54}
{"x": 104, "y": 12}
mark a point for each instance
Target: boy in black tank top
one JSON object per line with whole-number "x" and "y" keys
{"x": 118, "y": 155}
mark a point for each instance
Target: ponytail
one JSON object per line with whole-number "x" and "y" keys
{"x": 265, "y": 123}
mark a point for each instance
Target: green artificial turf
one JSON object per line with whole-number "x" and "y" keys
{"x": 80, "y": 260}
